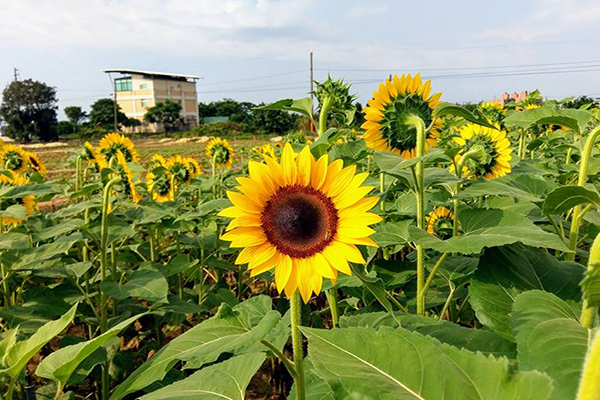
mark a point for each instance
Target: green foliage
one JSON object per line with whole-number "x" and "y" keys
{"x": 167, "y": 114}
{"x": 102, "y": 115}
{"x": 249, "y": 117}
{"x": 542, "y": 322}
{"x": 228, "y": 379}
{"x": 28, "y": 109}
{"x": 75, "y": 115}
{"x": 399, "y": 364}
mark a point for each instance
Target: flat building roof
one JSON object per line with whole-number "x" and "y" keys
{"x": 152, "y": 73}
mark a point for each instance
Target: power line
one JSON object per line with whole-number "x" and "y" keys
{"x": 456, "y": 68}
{"x": 468, "y": 47}
{"x": 255, "y": 78}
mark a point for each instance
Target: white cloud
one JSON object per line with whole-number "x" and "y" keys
{"x": 180, "y": 26}
{"x": 368, "y": 10}
{"x": 552, "y": 17}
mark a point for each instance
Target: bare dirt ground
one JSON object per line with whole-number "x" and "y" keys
{"x": 59, "y": 157}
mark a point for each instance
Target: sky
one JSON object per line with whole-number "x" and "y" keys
{"x": 258, "y": 50}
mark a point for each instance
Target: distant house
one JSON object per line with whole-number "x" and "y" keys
{"x": 514, "y": 97}
{"x": 138, "y": 90}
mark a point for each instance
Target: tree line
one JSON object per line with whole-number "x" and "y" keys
{"x": 29, "y": 112}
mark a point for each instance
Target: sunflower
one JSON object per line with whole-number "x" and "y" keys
{"x": 265, "y": 150}
{"x": 91, "y": 155}
{"x": 220, "y": 151}
{"x": 159, "y": 186}
{"x": 181, "y": 170}
{"x": 13, "y": 158}
{"x": 496, "y": 147}
{"x": 440, "y": 222}
{"x": 385, "y": 114}
{"x": 36, "y": 163}
{"x": 157, "y": 161}
{"x": 28, "y": 201}
{"x": 302, "y": 216}
{"x": 113, "y": 142}
{"x": 126, "y": 175}
{"x": 193, "y": 166}
{"x": 492, "y": 111}
{"x": 531, "y": 106}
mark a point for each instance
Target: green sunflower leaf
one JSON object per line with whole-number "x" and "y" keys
{"x": 576, "y": 120}
{"x": 392, "y": 164}
{"x": 226, "y": 380}
{"x": 235, "y": 330}
{"x": 550, "y": 339}
{"x": 60, "y": 365}
{"x": 504, "y": 272}
{"x": 301, "y": 106}
{"x": 484, "y": 341}
{"x": 456, "y": 110}
{"x": 399, "y": 364}
{"x": 147, "y": 283}
{"x": 489, "y": 228}
{"x": 16, "y": 355}
{"x": 564, "y": 198}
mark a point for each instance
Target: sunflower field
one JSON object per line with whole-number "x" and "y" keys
{"x": 438, "y": 252}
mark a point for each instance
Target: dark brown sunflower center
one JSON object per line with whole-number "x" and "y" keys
{"x": 299, "y": 221}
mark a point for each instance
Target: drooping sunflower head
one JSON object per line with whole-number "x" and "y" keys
{"x": 13, "y": 158}
{"x": 37, "y": 164}
{"x": 113, "y": 142}
{"x": 27, "y": 201}
{"x": 157, "y": 160}
{"x": 87, "y": 152}
{"x": 440, "y": 222}
{"x": 160, "y": 186}
{"x": 123, "y": 170}
{"x": 93, "y": 157}
{"x": 193, "y": 166}
{"x": 180, "y": 169}
{"x": 220, "y": 151}
{"x": 302, "y": 216}
{"x": 492, "y": 111}
{"x": 495, "y": 161}
{"x": 265, "y": 150}
{"x": 387, "y": 111}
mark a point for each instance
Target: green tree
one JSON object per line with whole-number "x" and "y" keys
{"x": 29, "y": 110}
{"x": 102, "y": 114}
{"x": 271, "y": 121}
{"x": 75, "y": 115}
{"x": 168, "y": 114}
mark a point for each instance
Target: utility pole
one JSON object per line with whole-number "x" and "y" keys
{"x": 16, "y": 74}
{"x": 312, "y": 79}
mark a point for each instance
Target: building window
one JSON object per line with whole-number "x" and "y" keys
{"x": 123, "y": 84}
{"x": 144, "y": 86}
{"x": 145, "y": 103}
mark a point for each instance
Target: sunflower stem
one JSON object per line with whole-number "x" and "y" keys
{"x": 333, "y": 306}
{"x": 78, "y": 174}
{"x": 588, "y": 312}
{"x": 382, "y": 190}
{"x": 473, "y": 154}
{"x": 434, "y": 270}
{"x": 11, "y": 388}
{"x": 327, "y": 103}
{"x": 421, "y": 134}
{"x": 103, "y": 268}
{"x": 297, "y": 345}
{"x": 583, "y": 171}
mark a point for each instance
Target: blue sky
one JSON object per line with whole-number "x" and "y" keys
{"x": 258, "y": 50}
